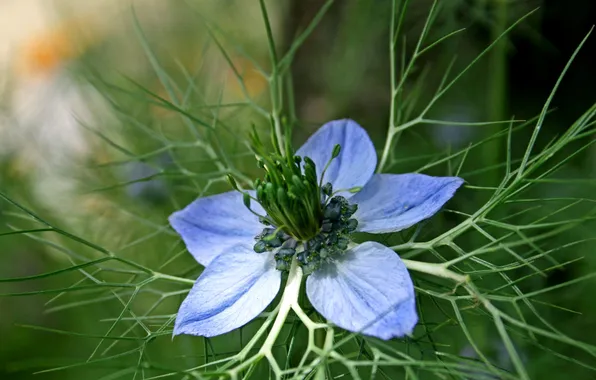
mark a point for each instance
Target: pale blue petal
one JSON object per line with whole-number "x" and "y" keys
{"x": 232, "y": 291}
{"x": 367, "y": 290}
{"x": 211, "y": 225}
{"x": 356, "y": 162}
{"x": 393, "y": 202}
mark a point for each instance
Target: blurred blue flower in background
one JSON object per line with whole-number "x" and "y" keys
{"x": 362, "y": 288}
{"x": 144, "y": 181}
{"x": 456, "y": 135}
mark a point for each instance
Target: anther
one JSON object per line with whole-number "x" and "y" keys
{"x": 326, "y": 226}
{"x": 260, "y": 247}
{"x": 274, "y": 242}
{"x": 246, "y": 200}
{"x": 323, "y": 253}
{"x": 351, "y": 209}
{"x": 283, "y": 266}
{"x": 332, "y": 210}
{"x": 290, "y": 244}
{"x": 336, "y": 150}
{"x": 232, "y": 182}
{"x": 286, "y": 252}
{"x": 352, "y": 225}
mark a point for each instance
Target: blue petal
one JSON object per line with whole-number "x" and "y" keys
{"x": 356, "y": 162}
{"x": 232, "y": 291}
{"x": 211, "y": 225}
{"x": 367, "y": 290}
{"x": 393, "y": 202}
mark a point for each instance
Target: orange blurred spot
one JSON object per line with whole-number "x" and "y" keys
{"x": 45, "y": 52}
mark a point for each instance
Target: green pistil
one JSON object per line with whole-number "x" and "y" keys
{"x": 290, "y": 195}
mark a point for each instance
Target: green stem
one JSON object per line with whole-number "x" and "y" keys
{"x": 386, "y": 150}
{"x": 274, "y": 82}
{"x": 497, "y": 89}
{"x": 327, "y": 348}
{"x": 167, "y": 277}
{"x": 288, "y": 300}
{"x": 438, "y": 270}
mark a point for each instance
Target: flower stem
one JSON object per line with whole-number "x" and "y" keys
{"x": 327, "y": 348}
{"x": 497, "y": 94}
{"x": 181, "y": 280}
{"x": 274, "y": 83}
{"x": 438, "y": 270}
{"x": 288, "y": 300}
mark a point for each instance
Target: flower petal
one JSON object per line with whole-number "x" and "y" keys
{"x": 356, "y": 161}
{"x": 367, "y": 290}
{"x": 393, "y": 202}
{"x": 211, "y": 225}
{"x": 234, "y": 289}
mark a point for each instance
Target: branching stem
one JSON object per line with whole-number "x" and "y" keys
{"x": 288, "y": 300}
{"x": 438, "y": 270}
{"x": 167, "y": 277}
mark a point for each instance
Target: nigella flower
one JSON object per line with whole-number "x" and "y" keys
{"x": 362, "y": 288}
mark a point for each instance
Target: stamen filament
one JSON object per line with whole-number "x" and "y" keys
{"x": 334, "y": 154}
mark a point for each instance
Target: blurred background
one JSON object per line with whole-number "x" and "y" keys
{"x": 114, "y": 114}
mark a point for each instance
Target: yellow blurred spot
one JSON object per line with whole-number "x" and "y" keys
{"x": 19, "y": 167}
{"x": 96, "y": 204}
{"x": 254, "y": 81}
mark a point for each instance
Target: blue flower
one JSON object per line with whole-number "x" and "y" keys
{"x": 362, "y": 288}
{"x": 144, "y": 182}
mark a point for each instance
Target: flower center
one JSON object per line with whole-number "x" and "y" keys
{"x": 331, "y": 239}
{"x": 290, "y": 196}
{"x": 303, "y": 217}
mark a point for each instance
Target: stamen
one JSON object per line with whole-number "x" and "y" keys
{"x": 283, "y": 257}
{"x": 333, "y": 238}
{"x": 246, "y": 199}
{"x": 352, "y": 190}
{"x": 327, "y": 189}
{"x": 301, "y": 212}
{"x": 290, "y": 195}
{"x": 270, "y": 239}
{"x": 334, "y": 154}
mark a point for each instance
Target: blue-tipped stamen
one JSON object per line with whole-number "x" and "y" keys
{"x": 334, "y": 237}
